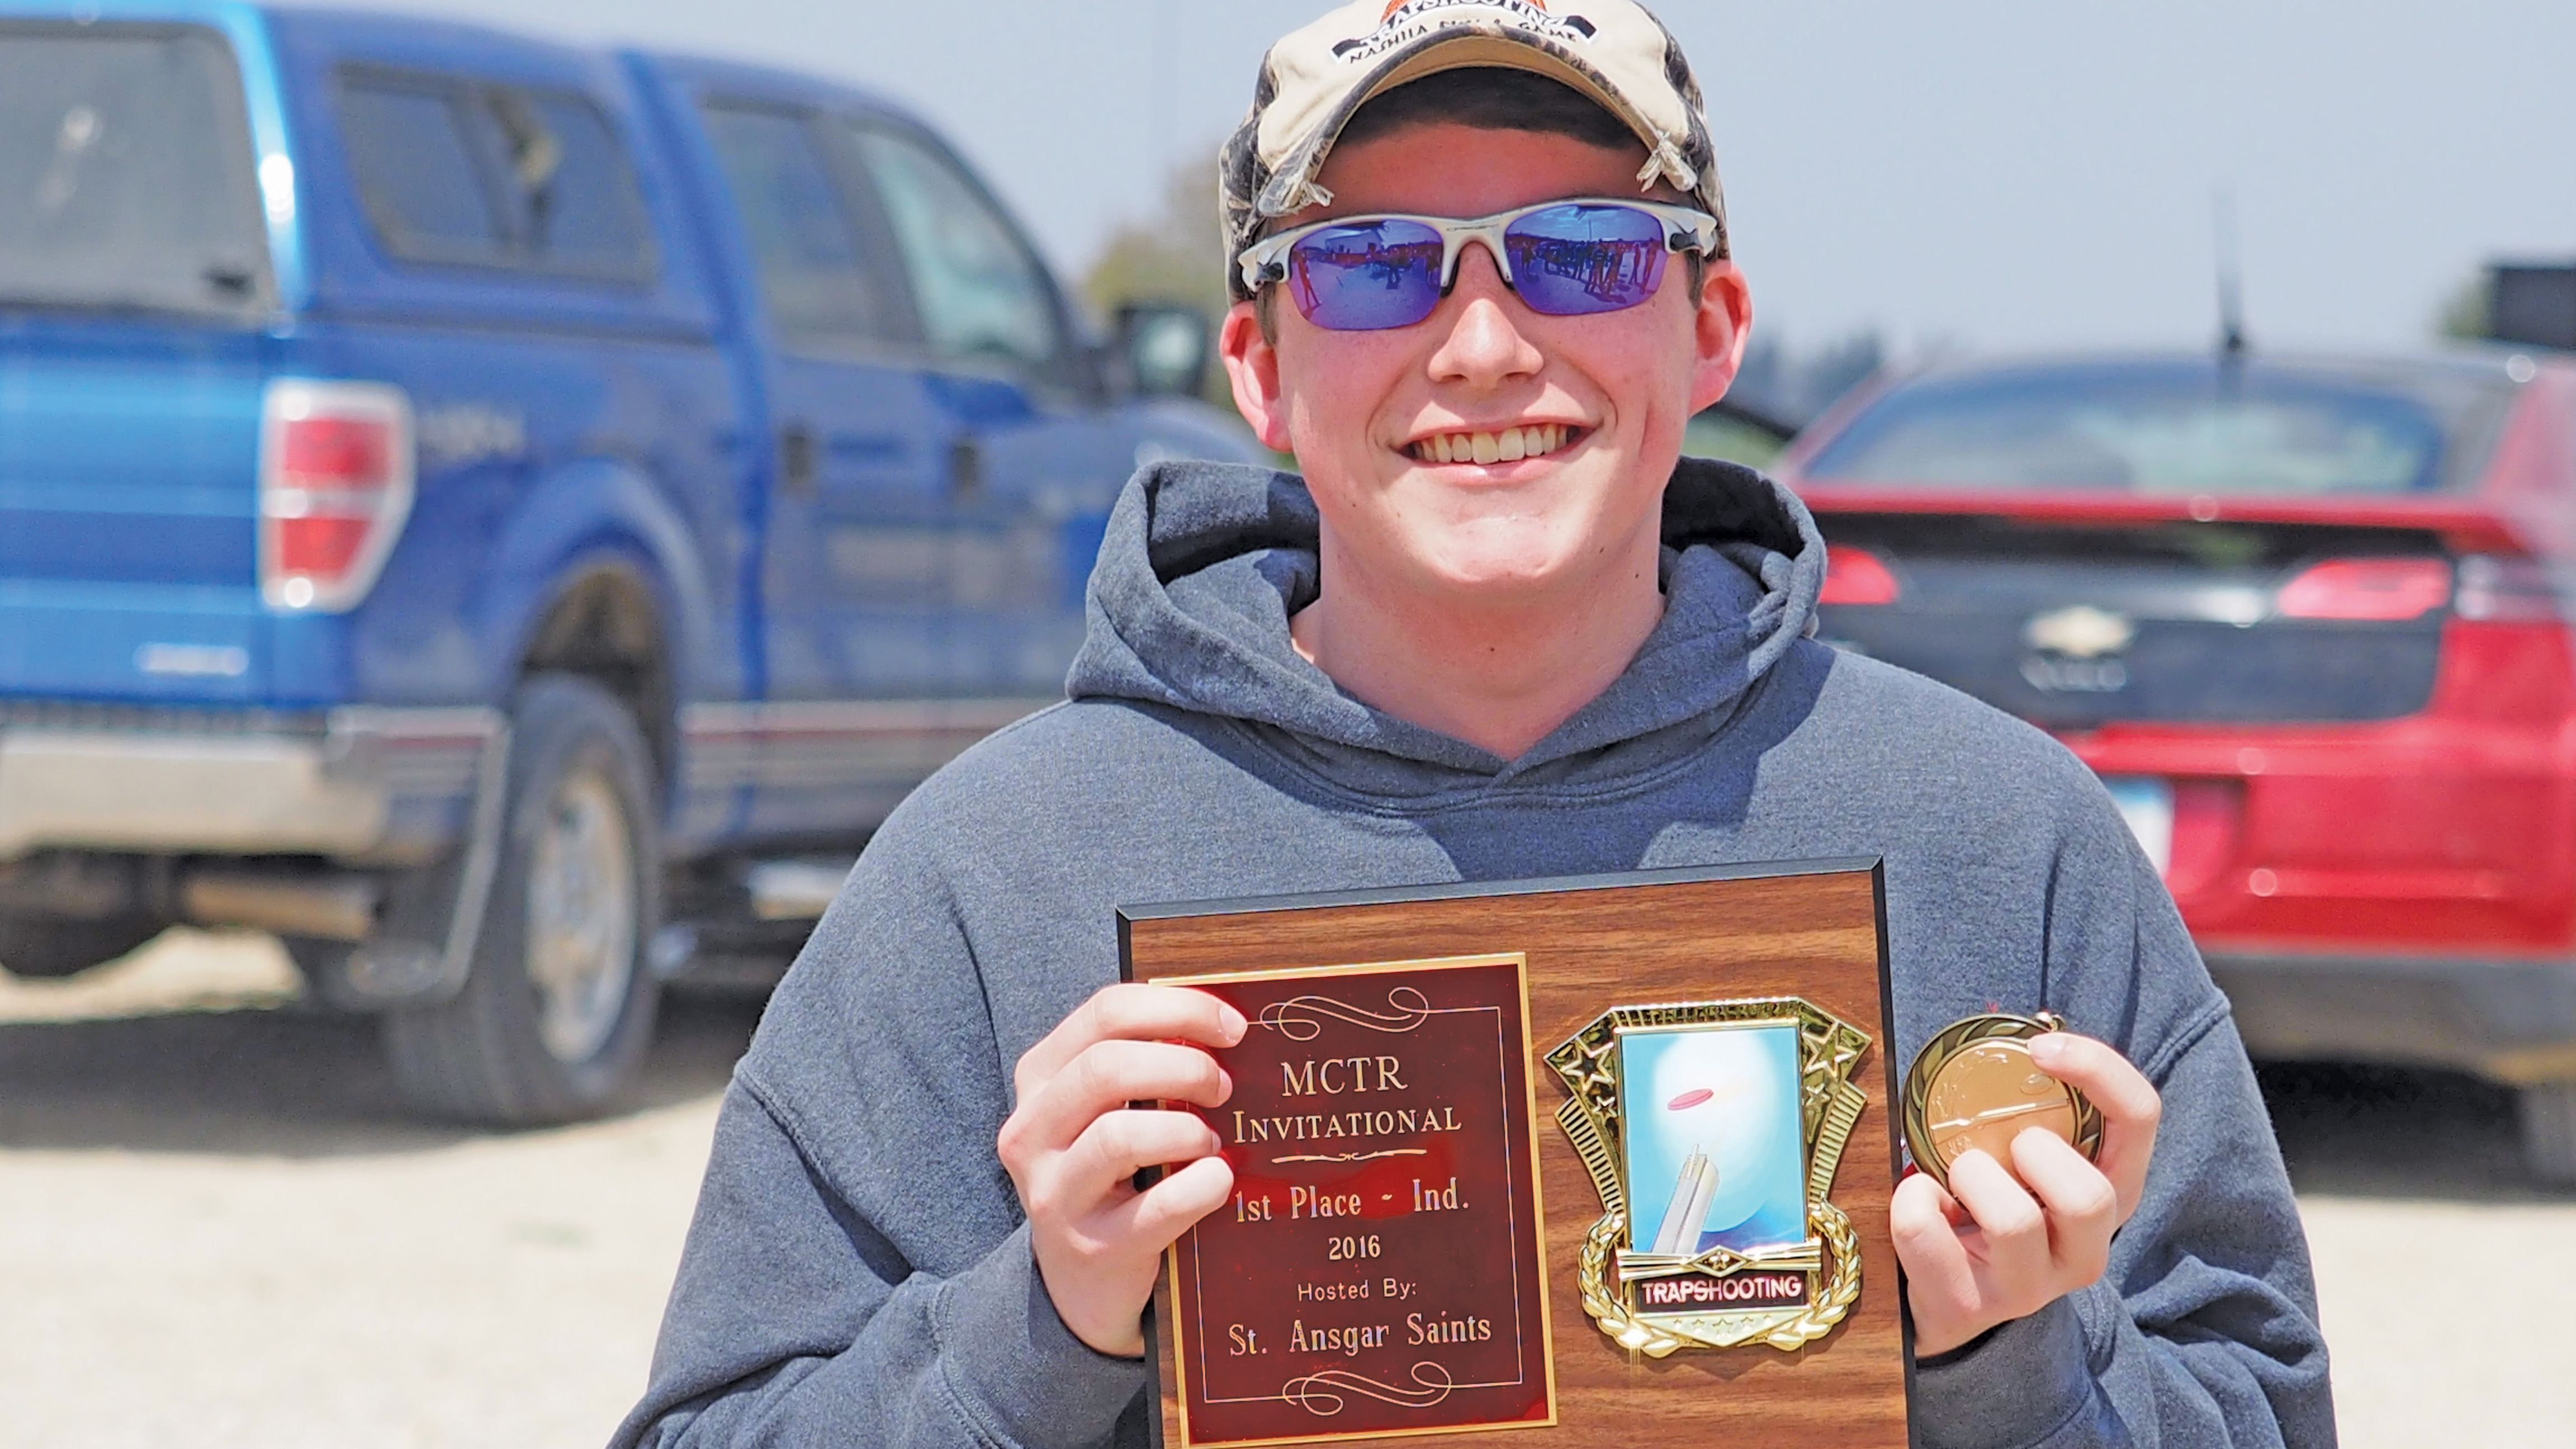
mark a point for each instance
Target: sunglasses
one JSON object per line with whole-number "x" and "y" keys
{"x": 1564, "y": 258}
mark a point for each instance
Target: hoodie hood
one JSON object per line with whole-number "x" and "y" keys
{"x": 1203, "y": 563}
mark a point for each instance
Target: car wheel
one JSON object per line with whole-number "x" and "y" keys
{"x": 43, "y": 946}
{"x": 2549, "y": 1131}
{"x": 558, "y": 1009}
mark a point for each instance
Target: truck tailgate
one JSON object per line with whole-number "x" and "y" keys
{"x": 133, "y": 281}
{"x": 128, "y": 487}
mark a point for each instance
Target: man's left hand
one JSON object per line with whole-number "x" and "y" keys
{"x": 2005, "y": 1242}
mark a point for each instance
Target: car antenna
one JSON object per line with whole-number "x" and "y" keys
{"x": 2231, "y": 281}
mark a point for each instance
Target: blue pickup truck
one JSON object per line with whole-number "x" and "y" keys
{"x": 508, "y": 519}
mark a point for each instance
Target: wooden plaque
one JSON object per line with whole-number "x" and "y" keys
{"x": 1523, "y": 1164}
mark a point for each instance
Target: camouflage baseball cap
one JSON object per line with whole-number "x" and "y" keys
{"x": 1315, "y": 79}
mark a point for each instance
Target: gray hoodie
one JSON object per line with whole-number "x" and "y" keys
{"x": 859, "y": 1273}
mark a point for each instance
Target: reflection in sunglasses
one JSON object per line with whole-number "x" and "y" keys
{"x": 1613, "y": 271}
{"x": 1346, "y": 260}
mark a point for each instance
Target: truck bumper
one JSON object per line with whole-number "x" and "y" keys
{"x": 360, "y": 784}
{"x": 2513, "y": 1021}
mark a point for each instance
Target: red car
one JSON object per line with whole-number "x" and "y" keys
{"x": 2309, "y": 619}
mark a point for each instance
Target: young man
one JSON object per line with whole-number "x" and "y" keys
{"x": 1498, "y": 631}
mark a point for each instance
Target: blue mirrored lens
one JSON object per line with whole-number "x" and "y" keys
{"x": 1574, "y": 259}
{"x": 1360, "y": 278}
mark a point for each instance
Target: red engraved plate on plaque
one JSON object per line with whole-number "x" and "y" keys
{"x": 1377, "y": 1272}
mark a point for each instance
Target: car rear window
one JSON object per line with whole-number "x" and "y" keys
{"x": 2177, "y": 428}
{"x": 126, "y": 179}
{"x": 450, "y": 170}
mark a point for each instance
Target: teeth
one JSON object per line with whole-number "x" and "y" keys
{"x": 1509, "y": 445}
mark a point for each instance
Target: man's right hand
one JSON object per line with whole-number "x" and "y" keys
{"x": 1074, "y": 1146}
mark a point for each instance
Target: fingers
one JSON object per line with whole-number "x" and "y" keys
{"x": 1073, "y": 1143}
{"x": 2101, "y": 1073}
{"x": 2001, "y": 1243}
{"x": 2076, "y": 1200}
{"x": 2013, "y": 1229}
{"x": 1105, "y": 1078}
{"x": 1943, "y": 1289}
{"x": 1099, "y": 1268}
{"x": 1921, "y": 1219}
{"x": 2130, "y": 1106}
{"x": 1117, "y": 1145}
{"x": 1166, "y": 1210}
{"x": 2005, "y": 1241}
{"x": 1130, "y": 1012}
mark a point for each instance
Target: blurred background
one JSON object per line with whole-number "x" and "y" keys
{"x": 497, "y": 500}
{"x": 1991, "y": 176}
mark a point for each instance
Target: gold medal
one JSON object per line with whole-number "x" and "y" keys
{"x": 1975, "y": 1085}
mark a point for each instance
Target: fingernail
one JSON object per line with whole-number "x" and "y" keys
{"x": 2047, "y": 1048}
{"x": 1233, "y": 1022}
{"x": 1224, "y": 1084}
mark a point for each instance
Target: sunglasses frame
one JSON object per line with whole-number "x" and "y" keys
{"x": 1686, "y": 228}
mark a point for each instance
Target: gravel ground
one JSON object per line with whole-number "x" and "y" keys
{"x": 216, "y": 1230}
{"x": 2443, "y": 1273}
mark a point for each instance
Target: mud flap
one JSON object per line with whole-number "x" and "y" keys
{"x": 424, "y": 950}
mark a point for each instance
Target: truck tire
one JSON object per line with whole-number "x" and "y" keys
{"x": 554, "y": 1018}
{"x": 40, "y": 946}
{"x": 2549, "y": 1131}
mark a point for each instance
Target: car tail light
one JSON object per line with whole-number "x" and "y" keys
{"x": 1856, "y": 576}
{"x": 2499, "y": 590}
{"x": 335, "y": 487}
{"x": 2367, "y": 588}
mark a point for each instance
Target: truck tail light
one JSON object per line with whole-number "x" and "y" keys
{"x": 1856, "y": 576}
{"x": 335, "y": 487}
{"x": 2367, "y": 588}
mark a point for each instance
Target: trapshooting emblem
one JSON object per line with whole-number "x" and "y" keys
{"x": 1712, "y": 1131}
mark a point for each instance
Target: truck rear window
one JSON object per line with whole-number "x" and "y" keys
{"x": 2177, "y": 427}
{"x": 126, "y": 180}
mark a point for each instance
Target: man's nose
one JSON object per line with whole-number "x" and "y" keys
{"x": 1483, "y": 344}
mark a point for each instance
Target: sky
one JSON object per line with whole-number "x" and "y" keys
{"x": 1986, "y": 176}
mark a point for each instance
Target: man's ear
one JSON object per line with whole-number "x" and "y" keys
{"x": 1723, "y": 322}
{"x": 1252, "y": 366}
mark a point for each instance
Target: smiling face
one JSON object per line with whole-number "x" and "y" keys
{"x": 1488, "y": 455}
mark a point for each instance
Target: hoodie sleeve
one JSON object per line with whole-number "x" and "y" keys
{"x": 2203, "y": 1331}
{"x": 858, "y": 1271}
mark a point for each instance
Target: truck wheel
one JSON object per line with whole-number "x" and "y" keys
{"x": 2549, "y": 1131}
{"x": 37, "y": 946}
{"x": 559, "y": 1008}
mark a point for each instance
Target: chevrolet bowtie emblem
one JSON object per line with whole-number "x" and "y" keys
{"x": 2080, "y": 632}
